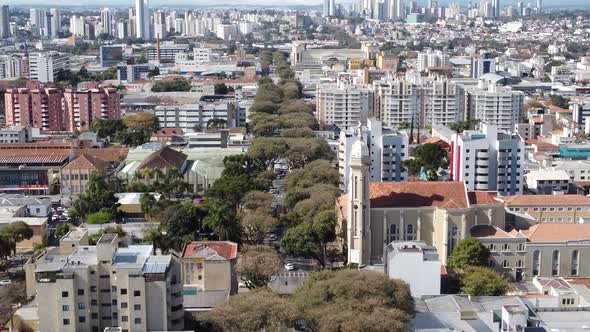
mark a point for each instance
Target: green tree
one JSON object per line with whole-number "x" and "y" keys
{"x": 100, "y": 217}
{"x": 267, "y": 107}
{"x": 220, "y": 89}
{"x": 19, "y": 231}
{"x": 305, "y": 150}
{"x": 108, "y": 128}
{"x": 99, "y": 196}
{"x": 186, "y": 220}
{"x": 93, "y": 239}
{"x": 61, "y": 230}
{"x": 257, "y": 265}
{"x": 153, "y": 72}
{"x": 351, "y": 300}
{"x": 481, "y": 281}
{"x": 469, "y": 252}
{"x": 310, "y": 238}
{"x": 255, "y": 200}
{"x": 216, "y": 123}
{"x": 560, "y": 101}
{"x": 260, "y": 310}
{"x": 222, "y": 220}
{"x": 255, "y": 225}
{"x": 148, "y": 202}
{"x": 428, "y": 158}
{"x": 404, "y": 125}
{"x": 178, "y": 85}
{"x": 268, "y": 150}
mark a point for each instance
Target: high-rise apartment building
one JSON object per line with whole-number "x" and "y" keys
{"x": 431, "y": 59}
{"x": 77, "y": 25}
{"x": 11, "y": 67}
{"x": 34, "y": 107}
{"x": 343, "y": 104}
{"x": 495, "y": 105}
{"x": 84, "y": 107}
{"x": 142, "y": 19}
{"x": 325, "y": 8}
{"x": 387, "y": 148}
{"x": 419, "y": 100}
{"x": 487, "y": 160}
{"x": 54, "y": 22}
{"x": 159, "y": 24}
{"x": 4, "y": 21}
{"x": 106, "y": 19}
{"x": 43, "y": 67}
{"x": 49, "y": 109}
{"x": 91, "y": 288}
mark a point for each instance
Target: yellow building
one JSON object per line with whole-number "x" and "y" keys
{"x": 551, "y": 208}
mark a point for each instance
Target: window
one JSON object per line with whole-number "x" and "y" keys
{"x": 453, "y": 238}
{"x": 66, "y": 321}
{"x": 137, "y": 307}
{"x": 555, "y": 263}
{"x": 505, "y": 247}
{"x": 575, "y": 262}
{"x": 93, "y": 289}
{"x": 114, "y": 288}
{"x": 393, "y": 233}
{"x": 536, "y": 209}
{"x": 536, "y": 262}
{"x": 115, "y": 316}
{"x": 410, "y": 233}
{"x": 136, "y": 293}
{"x": 65, "y": 307}
{"x": 80, "y": 291}
{"x": 137, "y": 320}
{"x": 124, "y": 318}
{"x": 114, "y": 302}
{"x": 94, "y": 315}
{"x": 82, "y": 319}
{"x": 123, "y": 305}
{"x": 492, "y": 247}
{"x": 551, "y": 209}
{"x": 551, "y": 219}
{"x": 492, "y": 263}
{"x": 93, "y": 302}
{"x": 104, "y": 276}
{"x": 81, "y": 306}
{"x": 570, "y": 219}
{"x": 123, "y": 291}
{"x": 64, "y": 294}
{"x": 520, "y": 247}
{"x": 519, "y": 263}
{"x": 505, "y": 264}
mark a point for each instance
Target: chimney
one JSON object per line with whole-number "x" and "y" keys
{"x": 158, "y": 48}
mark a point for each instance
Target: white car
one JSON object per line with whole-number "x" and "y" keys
{"x": 5, "y": 282}
{"x": 242, "y": 284}
{"x": 290, "y": 267}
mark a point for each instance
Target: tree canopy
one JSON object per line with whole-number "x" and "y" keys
{"x": 257, "y": 265}
{"x": 482, "y": 281}
{"x": 469, "y": 252}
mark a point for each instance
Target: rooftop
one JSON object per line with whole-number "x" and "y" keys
{"x": 560, "y": 232}
{"x": 547, "y": 200}
{"x": 211, "y": 250}
{"x": 448, "y": 195}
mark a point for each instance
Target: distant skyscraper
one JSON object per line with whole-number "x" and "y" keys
{"x": 332, "y": 7}
{"x": 38, "y": 18}
{"x": 54, "y": 22}
{"x": 520, "y": 8}
{"x": 497, "y": 9}
{"x": 142, "y": 19}
{"x": 539, "y": 7}
{"x": 4, "y": 21}
{"x": 106, "y": 18}
{"x": 326, "y": 8}
{"x": 399, "y": 9}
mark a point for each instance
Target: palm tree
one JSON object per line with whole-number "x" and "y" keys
{"x": 148, "y": 203}
{"x": 221, "y": 220}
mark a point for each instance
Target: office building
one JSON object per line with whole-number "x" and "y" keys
{"x": 38, "y": 19}
{"x": 388, "y": 149}
{"x": 4, "y": 21}
{"x": 487, "y": 160}
{"x": 93, "y": 288}
{"x": 483, "y": 64}
{"x": 343, "y": 104}
{"x": 43, "y": 67}
{"x": 107, "y": 21}
{"x": 187, "y": 116}
{"x": 168, "y": 52}
{"x": 226, "y": 31}
{"x": 77, "y": 26}
{"x": 142, "y": 19}
{"x": 132, "y": 73}
{"x": 111, "y": 55}
{"x": 84, "y": 107}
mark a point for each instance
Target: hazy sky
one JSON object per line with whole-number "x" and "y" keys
{"x": 546, "y": 3}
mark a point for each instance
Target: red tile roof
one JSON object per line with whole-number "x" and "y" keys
{"x": 33, "y": 156}
{"x": 482, "y": 197}
{"x": 449, "y": 195}
{"x": 164, "y": 158}
{"x": 558, "y": 232}
{"x": 110, "y": 155}
{"x": 86, "y": 162}
{"x": 546, "y": 200}
{"x": 227, "y": 250}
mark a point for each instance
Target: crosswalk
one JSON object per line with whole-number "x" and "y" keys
{"x": 293, "y": 274}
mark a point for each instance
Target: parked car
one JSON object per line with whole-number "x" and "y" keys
{"x": 5, "y": 282}
{"x": 290, "y": 267}
{"x": 272, "y": 237}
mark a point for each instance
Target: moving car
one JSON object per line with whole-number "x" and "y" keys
{"x": 290, "y": 267}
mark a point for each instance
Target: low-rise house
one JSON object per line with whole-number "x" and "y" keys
{"x": 208, "y": 274}
{"x": 415, "y": 263}
{"x": 547, "y": 182}
{"x": 25, "y": 206}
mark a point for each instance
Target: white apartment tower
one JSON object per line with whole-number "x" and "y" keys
{"x": 495, "y": 105}
{"x": 387, "y": 149}
{"x": 43, "y": 67}
{"x": 55, "y": 21}
{"x": 488, "y": 160}
{"x": 142, "y": 19}
{"x": 343, "y": 104}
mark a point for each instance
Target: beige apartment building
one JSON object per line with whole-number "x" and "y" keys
{"x": 551, "y": 208}
{"x": 96, "y": 287}
{"x": 208, "y": 273}
{"x": 438, "y": 213}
